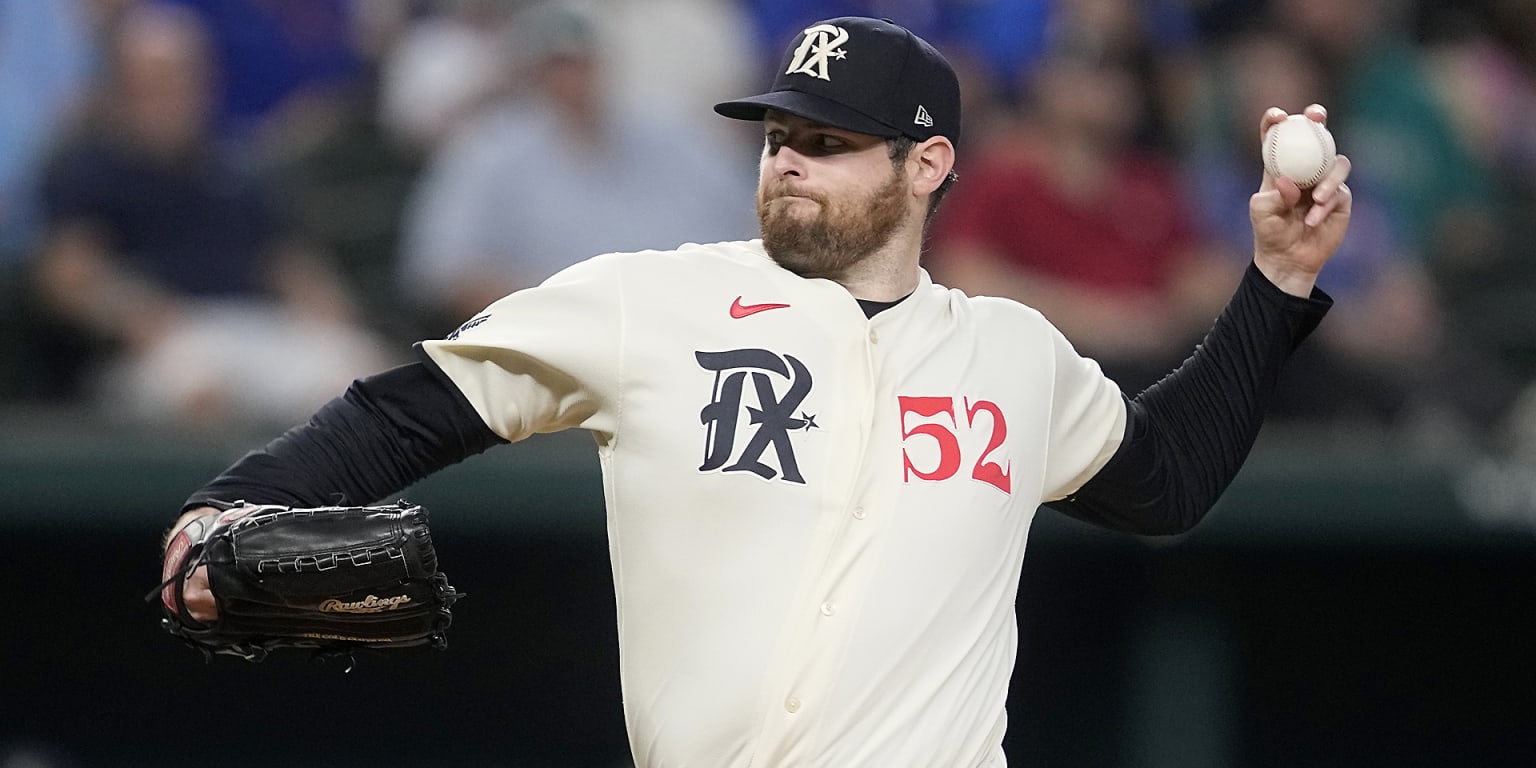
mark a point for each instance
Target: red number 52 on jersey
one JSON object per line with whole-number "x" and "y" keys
{"x": 935, "y": 419}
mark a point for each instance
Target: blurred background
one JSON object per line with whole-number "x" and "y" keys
{"x": 215, "y": 213}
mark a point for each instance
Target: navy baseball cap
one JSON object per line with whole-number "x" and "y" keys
{"x": 862, "y": 75}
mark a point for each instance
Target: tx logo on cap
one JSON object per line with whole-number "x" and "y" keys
{"x": 819, "y": 46}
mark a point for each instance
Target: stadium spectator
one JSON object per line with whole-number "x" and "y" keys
{"x": 1405, "y": 142}
{"x": 1440, "y": 201}
{"x": 443, "y": 66}
{"x": 274, "y": 56}
{"x": 161, "y": 251}
{"x": 1067, "y": 214}
{"x": 558, "y": 171}
{"x": 1358, "y": 372}
{"x": 46, "y": 61}
{"x": 47, "y": 54}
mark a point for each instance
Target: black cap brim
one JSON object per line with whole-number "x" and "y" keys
{"x": 809, "y": 106}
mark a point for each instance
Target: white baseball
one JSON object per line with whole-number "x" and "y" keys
{"x": 1300, "y": 149}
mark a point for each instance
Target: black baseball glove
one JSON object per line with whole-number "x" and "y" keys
{"x": 329, "y": 579}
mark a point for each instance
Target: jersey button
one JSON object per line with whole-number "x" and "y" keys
{"x": 874, "y": 338}
{"x": 792, "y": 705}
{"x": 859, "y": 513}
{"x": 828, "y": 608}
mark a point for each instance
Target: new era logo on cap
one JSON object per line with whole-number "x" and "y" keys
{"x": 864, "y": 75}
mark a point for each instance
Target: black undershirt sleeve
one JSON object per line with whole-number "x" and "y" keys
{"x": 385, "y": 433}
{"x": 1187, "y": 435}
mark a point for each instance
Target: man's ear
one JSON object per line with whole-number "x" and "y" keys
{"x": 930, "y": 163}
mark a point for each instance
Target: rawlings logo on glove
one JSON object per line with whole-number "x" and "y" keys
{"x": 369, "y": 604}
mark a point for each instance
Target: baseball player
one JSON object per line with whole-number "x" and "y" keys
{"x": 820, "y": 467}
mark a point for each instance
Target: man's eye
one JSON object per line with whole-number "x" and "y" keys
{"x": 828, "y": 144}
{"x": 814, "y": 144}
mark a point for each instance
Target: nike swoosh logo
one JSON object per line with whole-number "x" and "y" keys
{"x": 740, "y": 310}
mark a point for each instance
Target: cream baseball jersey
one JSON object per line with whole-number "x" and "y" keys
{"x": 817, "y": 520}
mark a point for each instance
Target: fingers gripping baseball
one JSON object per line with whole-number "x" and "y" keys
{"x": 1297, "y": 228}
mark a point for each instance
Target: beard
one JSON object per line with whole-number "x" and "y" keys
{"x": 837, "y": 236}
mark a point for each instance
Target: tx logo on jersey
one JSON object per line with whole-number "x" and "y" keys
{"x": 771, "y": 416}
{"x": 819, "y": 46}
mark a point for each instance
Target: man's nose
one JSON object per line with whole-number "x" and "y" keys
{"x": 785, "y": 161}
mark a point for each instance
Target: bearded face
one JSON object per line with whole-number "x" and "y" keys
{"x": 815, "y": 235}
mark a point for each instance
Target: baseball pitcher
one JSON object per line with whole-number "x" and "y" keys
{"x": 820, "y": 467}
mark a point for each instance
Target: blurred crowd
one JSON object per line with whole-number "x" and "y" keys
{"x": 217, "y": 213}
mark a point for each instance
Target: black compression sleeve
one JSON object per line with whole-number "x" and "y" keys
{"x": 1187, "y": 436}
{"x": 388, "y": 431}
